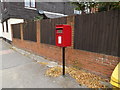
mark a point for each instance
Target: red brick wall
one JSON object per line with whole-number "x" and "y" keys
{"x": 99, "y": 64}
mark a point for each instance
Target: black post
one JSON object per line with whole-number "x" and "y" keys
{"x": 63, "y": 57}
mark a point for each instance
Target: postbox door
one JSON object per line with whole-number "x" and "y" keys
{"x": 59, "y": 36}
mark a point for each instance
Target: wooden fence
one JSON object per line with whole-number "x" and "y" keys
{"x": 29, "y": 31}
{"x": 48, "y": 29}
{"x": 97, "y": 32}
{"x": 92, "y": 32}
{"x": 16, "y": 31}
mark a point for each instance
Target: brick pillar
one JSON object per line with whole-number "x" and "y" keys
{"x": 70, "y": 21}
{"x": 38, "y": 31}
{"x": 21, "y": 30}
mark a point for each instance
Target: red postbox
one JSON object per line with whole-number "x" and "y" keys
{"x": 63, "y": 35}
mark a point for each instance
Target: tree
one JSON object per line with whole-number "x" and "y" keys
{"x": 83, "y": 6}
{"x": 107, "y": 6}
{"x": 79, "y": 6}
{"x": 102, "y": 6}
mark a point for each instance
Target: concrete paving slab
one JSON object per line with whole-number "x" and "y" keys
{"x": 32, "y": 75}
{"x": 13, "y": 59}
{"x": 0, "y": 64}
{"x": 19, "y": 71}
{"x": 4, "y": 45}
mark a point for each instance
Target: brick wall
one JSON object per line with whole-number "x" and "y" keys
{"x": 99, "y": 64}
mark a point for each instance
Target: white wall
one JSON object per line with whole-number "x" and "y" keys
{"x": 8, "y": 35}
{"x": 1, "y": 29}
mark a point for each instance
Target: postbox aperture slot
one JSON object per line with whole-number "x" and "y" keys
{"x": 59, "y": 31}
{"x": 59, "y": 28}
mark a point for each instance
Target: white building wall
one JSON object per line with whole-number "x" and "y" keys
{"x": 8, "y": 35}
{"x": 1, "y": 29}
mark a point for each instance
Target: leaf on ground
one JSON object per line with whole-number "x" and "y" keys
{"x": 43, "y": 63}
{"x": 54, "y": 72}
{"x": 82, "y": 77}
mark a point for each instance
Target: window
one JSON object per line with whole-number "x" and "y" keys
{"x": 3, "y": 4}
{"x": 27, "y": 3}
{"x": 30, "y": 3}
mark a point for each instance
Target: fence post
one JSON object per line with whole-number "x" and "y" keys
{"x": 21, "y": 31}
{"x": 70, "y": 21}
{"x": 38, "y": 31}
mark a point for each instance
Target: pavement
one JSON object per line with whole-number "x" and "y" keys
{"x": 21, "y": 70}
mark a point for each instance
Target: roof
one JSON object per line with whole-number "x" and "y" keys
{"x": 51, "y": 14}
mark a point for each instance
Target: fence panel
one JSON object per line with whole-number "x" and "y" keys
{"x": 29, "y": 31}
{"x": 48, "y": 29}
{"x": 16, "y": 31}
{"x": 97, "y": 32}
